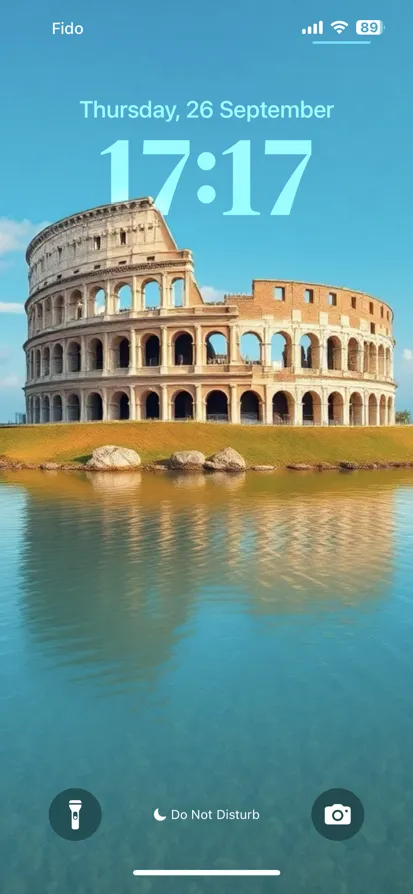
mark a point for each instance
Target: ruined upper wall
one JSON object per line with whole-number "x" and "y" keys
{"x": 314, "y": 303}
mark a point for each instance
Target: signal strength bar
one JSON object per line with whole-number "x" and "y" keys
{"x": 317, "y": 28}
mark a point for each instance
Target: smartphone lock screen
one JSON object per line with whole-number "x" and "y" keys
{"x": 206, "y": 448}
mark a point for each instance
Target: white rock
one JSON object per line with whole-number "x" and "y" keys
{"x": 226, "y": 460}
{"x": 112, "y": 457}
{"x": 187, "y": 460}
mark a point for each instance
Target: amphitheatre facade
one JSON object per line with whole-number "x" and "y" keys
{"x": 118, "y": 329}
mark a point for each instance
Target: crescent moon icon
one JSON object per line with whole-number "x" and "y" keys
{"x": 158, "y": 816}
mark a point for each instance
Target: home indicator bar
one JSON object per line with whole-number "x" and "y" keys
{"x": 206, "y": 872}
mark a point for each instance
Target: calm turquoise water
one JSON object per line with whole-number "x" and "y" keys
{"x": 222, "y": 643}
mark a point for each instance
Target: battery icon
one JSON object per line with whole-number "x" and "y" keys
{"x": 369, "y": 26}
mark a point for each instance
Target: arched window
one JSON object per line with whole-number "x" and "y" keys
{"x": 73, "y": 408}
{"x": 151, "y": 295}
{"x": 310, "y": 351}
{"x": 334, "y": 352}
{"x": 119, "y": 405}
{"x": 38, "y": 363}
{"x": 97, "y": 302}
{"x": 251, "y": 348}
{"x": 74, "y": 357}
{"x": 282, "y": 408}
{"x": 250, "y": 407}
{"x": 356, "y": 409}
{"x": 75, "y": 306}
{"x": 120, "y": 353}
{"x": 178, "y": 290}
{"x": 217, "y": 406}
{"x": 281, "y": 351}
{"x": 382, "y": 410}
{"x": 216, "y": 348}
{"x": 311, "y": 404}
{"x": 151, "y": 351}
{"x": 59, "y": 310}
{"x": 124, "y": 298}
{"x": 335, "y": 409}
{"x": 48, "y": 317}
{"x": 380, "y": 360}
{"x": 183, "y": 405}
{"x": 46, "y": 361}
{"x": 389, "y": 411}
{"x": 353, "y": 355}
{"x": 45, "y": 408}
{"x": 151, "y": 406}
{"x": 57, "y": 408}
{"x": 95, "y": 354}
{"x": 37, "y": 406}
{"x": 183, "y": 350}
{"x": 94, "y": 407}
{"x": 372, "y": 409}
{"x": 57, "y": 359}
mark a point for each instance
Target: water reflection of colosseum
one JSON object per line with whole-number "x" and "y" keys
{"x": 118, "y": 329}
{"x": 279, "y": 554}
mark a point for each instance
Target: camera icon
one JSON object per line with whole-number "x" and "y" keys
{"x": 337, "y": 815}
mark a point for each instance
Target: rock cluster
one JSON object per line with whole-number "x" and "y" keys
{"x": 112, "y": 457}
{"x": 226, "y": 460}
{"x": 187, "y": 460}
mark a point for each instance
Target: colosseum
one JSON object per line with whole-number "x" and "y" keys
{"x": 118, "y": 329}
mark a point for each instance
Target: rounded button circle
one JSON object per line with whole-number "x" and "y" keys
{"x": 337, "y": 814}
{"x": 75, "y": 814}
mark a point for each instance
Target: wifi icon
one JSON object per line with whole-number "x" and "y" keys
{"x": 339, "y": 26}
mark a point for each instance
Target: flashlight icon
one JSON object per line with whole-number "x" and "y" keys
{"x": 75, "y": 808}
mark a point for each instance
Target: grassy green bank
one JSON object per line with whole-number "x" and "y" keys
{"x": 276, "y": 445}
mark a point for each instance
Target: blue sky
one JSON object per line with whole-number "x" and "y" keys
{"x": 351, "y": 222}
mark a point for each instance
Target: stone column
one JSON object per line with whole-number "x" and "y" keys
{"x": 187, "y": 290}
{"x": 298, "y": 409}
{"x": 106, "y": 357}
{"x": 109, "y": 305}
{"x": 138, "y": 360}
{"x": 268, "y": 415}
{"x": 104, "y": 404}
{"x": 83, "y": 357}
{"x": 234, "y": 405}
{"x": 164, "y": 350}
{"x": 199, "y": 350}
{"x": 324, "y": 408}
{"x": 165, "y": 298}
{"x": 199, "y": 404}
{"x": 346, "y": 409}
{"x": 85, "y": 309}
{"x": 64, "y": 358}
{"x": 233, "y": 344}
{"x": 64, "y": 408}
{"x": 132, "y": 403}
{"x": 344, "y": 355}
{"x": 132, "y": 359}
{"x": 137, "y": 294}
{"x": 164, "y": 403}
{"x": 83, "y": 413}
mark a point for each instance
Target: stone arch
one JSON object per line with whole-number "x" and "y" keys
{"x": 311, "y": 408}
{"x": 57, "y": 358}
{"x": 45, "y": 408}
{"x": 48, "y": 313}
{"x": 335, "y": 408}
{"x": 94, "y": 406}
{"x": 216, "y": 406}
{"x": 37, "y": 409}
{"x": 389, "y": 410}
{"x": 183, "y": 405}
{"x": 120, "y": 352}
{"x": 96, "y": 301}
{"x": 310, "y": 351}
{"x": 73, "y": 407}
{"x": 74, "y": 357}
{"x": 387, "y": 363}
{"x": 354, "y": 353}
{"x": 183, "y": 347}
{"x": 95, "y": 354}
{"x": 75, "y": 305}
{"x": 178, "y": 292}
{"x": 119, "y": 405}
{"x": 151, "y": 350}
{"x": 59, "y": 310}
{"x": 250, "y": 407}
{"x": 356, "y": 409}
{"x": 57, "y": 408}
{"x": 31, "y": 322}
{"x": 123, "y": 297}
{"x": 37, "y": 363}
{"x": 46, "y": 360}
{"x": 372, "y": 358}
{"x": 334, "y": 352}
{"x": 380, "y": 360}
{"x": 151, "y": 294}
{"x": 151, "y": 405}
{"x": 250, "y": 347}
{"x": 283, "y": 405}
{"x": 281, "y": 350}
{"x": 382, "y": 410}
{"x": 372, "y": 409}
{"x": 216, "y": 347}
